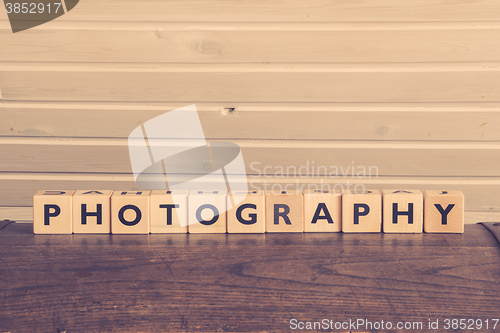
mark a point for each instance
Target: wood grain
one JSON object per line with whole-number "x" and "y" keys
{"x": 294, "y": 10}
{"x": 314, "y": 121}
{"x": 251, "y": 87}
{"x": 267, "y": 157}
{"x": 269, "y": 44}
{"x": 241, "y": 283}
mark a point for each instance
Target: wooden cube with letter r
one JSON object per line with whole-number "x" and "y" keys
{"x": 284, "y": 211}
{"x": 443, "y": 211}
{"x": 92, "y": 211}
{"x": 52, "y": 212}
{"x": 130, "y": 212}
{"x": 403, "y": 211}
{"x": 322, "y": 211}
{"x": 207, "y": 212}
{"x": 361, "y": 211}
{"x": 169, "y": 211}
{"x": 248, "y": 212}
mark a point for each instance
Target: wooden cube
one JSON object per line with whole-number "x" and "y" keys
{"x": 168, "y": 213}
{"x": 361, "y": 211}
{"x": 207, "y": 212}
{"x": 403, "y": 211}
{"x": 130, "y": 212}
{"x": 322, "y": 211}
{"x": 248, "y": 212}
{"x": 92, "y": 211}
{"x": 443, "y": 211}
{"x": 284, "y": 211}
{"x": 52, "y": 212}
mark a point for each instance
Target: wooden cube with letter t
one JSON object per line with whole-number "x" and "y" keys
{"x": 92, "y": 212}
{"x": 322, "y": 211}
{"x": 403, "y": 211}
{"x": 130, "y": 212}
{"x": 207, "y": 212}
{"x": 361, "y": 211}
{"x": 168, "y": 211}
{"x": 443, "y": 211}
{"x": 248, "y": 212}
{"x": 284, "y": 211}
{"x": 52, "y": 212}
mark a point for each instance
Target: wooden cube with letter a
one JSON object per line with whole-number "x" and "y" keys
{"x": 207, "y": 212}
{"x": 361, "y": 211}
{"x": 443, "y": 211}
{"x": 284, "y": 211}
{"x": 248, "y": 212}
{"x": 130, "y": 212}
{"x": 52, "y": 212}
{"x": 92, "y": 212}
{"x": 403, "y": 211}
{"x": 322, "y": 211}
{"x": 168, "y": 212}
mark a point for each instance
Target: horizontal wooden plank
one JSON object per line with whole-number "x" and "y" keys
{"x": 267, "y": 157}
{"x": 251, "y": 87}
{"x": 254, "y": 121}
{"x": 161, "y": 45}
{"x": 25, "y": 215}
{"x": 289, "y": 10}
{"x": 481, "y": 193}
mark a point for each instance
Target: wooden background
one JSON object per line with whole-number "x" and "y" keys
{"x": 411, "y": 87}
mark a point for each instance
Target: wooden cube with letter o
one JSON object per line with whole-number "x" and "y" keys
{"x": 130, "y": 212}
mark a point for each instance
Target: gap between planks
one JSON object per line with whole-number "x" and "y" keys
{"x": 259, "y": 107}
{"x": 245, "y": 67}
{"x": 264, "y": 143}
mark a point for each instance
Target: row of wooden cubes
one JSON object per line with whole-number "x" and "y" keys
{"x": 159, "y": 211}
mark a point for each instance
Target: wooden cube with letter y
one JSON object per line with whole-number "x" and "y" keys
{"x": 322, "y": 211}
{"x": 443, "y": 212}
{"x": 403, "y": 211}
{"x": 168, "y": 211}
{"x": 248, "y": 212}
{"x": 130, "y": 212}
{"x": 92, "y": 211}
{"x": 52, "y": 212}
{"x": 361, "y": 211}
{"x": 207, "y": 212}
{"x": 284, "y": 211}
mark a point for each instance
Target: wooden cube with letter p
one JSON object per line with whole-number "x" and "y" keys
{"x": 248, "y": 212}
{"x": 169, "y": 211}
{"x": 207, "y": 212}
{"x": 284, "y": 211}
{"x": 322, "y": 211}
{"x": 92, "y": 212}
{"x": 403, "y": 211}
{"x": 361, "y": 211}
{"x": 52, "y": 212}
{"x": 130, "y": 212}
{"x": 443, "y": 211}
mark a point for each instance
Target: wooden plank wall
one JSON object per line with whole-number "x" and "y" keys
{"x": 411, "y": 87}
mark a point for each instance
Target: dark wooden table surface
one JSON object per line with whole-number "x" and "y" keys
{"x": 243, "y": 283}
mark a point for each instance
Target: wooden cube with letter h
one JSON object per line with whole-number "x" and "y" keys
{"x": 361, "y": 211}
{"x": 169, "y": 211}
{"x": 92, "y": 212}
{"x": 248, "y": 212}
{"x": 322, "y": 211}
{"x": 52, "y": 212}
{"x": 130, "y": 212}
{"x": 403, "y": 211}
{"x": 284, "y": 211}
{"x": 207, "y": 212}
{"x": 443, "y": 211}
